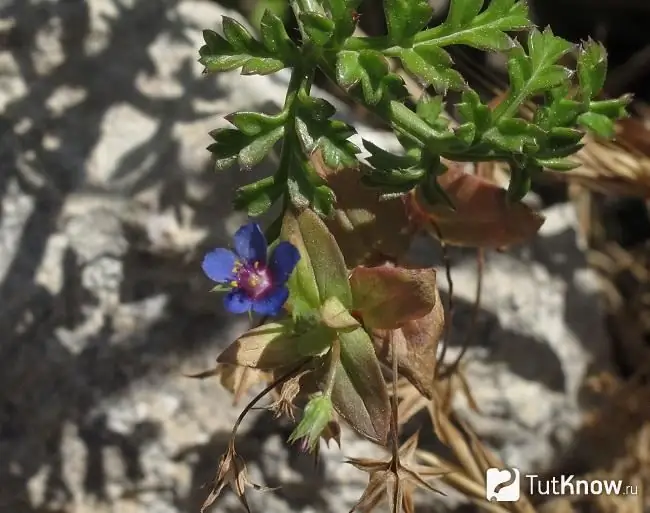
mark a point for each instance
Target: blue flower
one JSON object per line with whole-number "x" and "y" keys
{"x": 255, "y": 282}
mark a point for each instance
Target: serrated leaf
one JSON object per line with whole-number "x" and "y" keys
{"x": 253, "y": 123}
{"x": 433, "y": 65}
{"x": 321, "y": 272}
{"x": 238, "y": 36}
{"x": 483, "y": 217}
{"x": 328, "y": 136}
{"x": 561, "y": 112}
{"x": 228, "y": 143}
{"x": 388, "y": 297}
{"x": 255, "y": 152}
{"x": 536, "y": 71}
{"x": 274, "y": 36}
{"x": 367, "y": 68}
{"x": 240, "y": 49}
{"x": 342, "y": 12}
{"x": 485, "y": 31}
{"x": 276, "y": 345}
{"x": 405, "y": 18}
{"x": 262, "y": 66}
{"x": 359, "y": 394}
{"x": 463, "y": 13}
{"x": 592, "y": 68}
{"x": 319, "y": 28}
{"x": 318, "y": 108}
{"x": 258, "y": 197}
{"x": 598, "y": 124}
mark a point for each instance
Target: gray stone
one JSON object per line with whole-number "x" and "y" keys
{"x": 539, "y": 334}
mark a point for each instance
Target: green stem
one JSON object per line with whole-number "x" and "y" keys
{"x": 334, "y": 361}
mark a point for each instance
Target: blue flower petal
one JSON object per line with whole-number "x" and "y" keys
{"x": 284, "y": 258}
{"x": 218, "y": 265}
{"x": 250, "y": 243}
{"x": 237, "y": 302}
{"x": 271, "y": 303}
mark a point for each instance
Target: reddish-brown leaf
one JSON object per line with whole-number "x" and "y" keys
{"x": 415, "y": 345}
{"x": 369, "y": 231}
{"x": 483, "y": 216}
{"x": 387, "y": 297}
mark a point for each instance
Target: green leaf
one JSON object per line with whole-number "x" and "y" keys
{"x": 430, "y": 110}
{"x": 305, "y": 190}
{"x": 536, "y": 71}
{"x": 255, "y": 152}
{"x": 336, "y": 316}
{"x": 232, "y": 146}
{"x": 598, "y": 124}
{"x": 254, "y": 123}
{"x": 359, "y": 394}
{"x": 485, "y": 31}
{"x": 258, "y": 197}
{"x": 558, "y": 164}
{"x": 261, "y": 66}
{"x": 405, "y": 18}
{"x": 276, "y": 345}
{"x": 275, "y": 37}
{"x": 561, "y": 112}
{"x": 472, "y": 110}
{"x": 367, "y": 68}
{"x": 615, "y": 109}
{"x": 462, "y": 13}
{"x": 515, "y": 136}
{"x": 388, "y": 162}
{"x": 318, "y": 28}
{"x": 592, "y": 68}
{"x": 238, "y": 36}
{"x": 341, "y": 12}
{"x": 388, "y": 297}
{"x": 433, "y": 65}
{"x": 240, "y": 49}
{"x": 330, "y": 137}
{"x": 320, "y": 272}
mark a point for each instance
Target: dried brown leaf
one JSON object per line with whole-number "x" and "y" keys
{"x": 276, "y": 345}
{"x": 395, "y": 480}
{"x": 236, "y": 379}
{"x": 232, "y": 472}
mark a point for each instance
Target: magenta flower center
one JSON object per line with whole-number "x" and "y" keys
{"x": 254, "y": 280}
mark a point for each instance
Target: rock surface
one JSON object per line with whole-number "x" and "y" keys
{"x": 108, "y": 201}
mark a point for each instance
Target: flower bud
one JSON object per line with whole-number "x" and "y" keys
{"x": 317, "y": 415}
